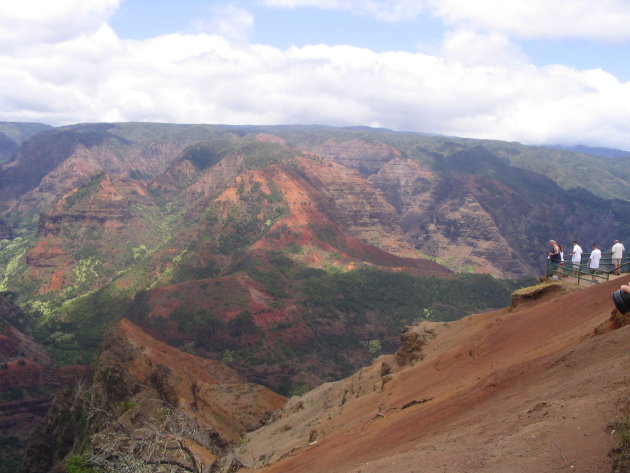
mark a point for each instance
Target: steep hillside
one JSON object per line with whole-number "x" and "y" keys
{"x": 537, "y": 387}
{"x": 12, "y": 135}
{"x": 473, "y": 205}
{"x": 477, "y": 204}
{"x": 55, "y": 161}
{"x": 186, "y": 409}
{"x": 570, "y": 170}
{"x": 272, "y": 274}
{"x": 28, "y": 381}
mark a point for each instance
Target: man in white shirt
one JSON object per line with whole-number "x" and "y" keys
{"x": 617, "y": 254}
{"x": 576, "y": 257}
{"x": 593, "y": 261}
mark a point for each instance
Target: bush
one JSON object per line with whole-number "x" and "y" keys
{"x": 241, "y": 325}
{"x": 79, "y": 464}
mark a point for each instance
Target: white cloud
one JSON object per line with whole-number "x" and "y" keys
{"x": 471, "y": 48}
{"x": 24, "y": 22}
{"x": 229, "y": 21}
{"x": 605, "y": 20}
{"x": 477, "y": 88}
{"x": 601, "y": 20}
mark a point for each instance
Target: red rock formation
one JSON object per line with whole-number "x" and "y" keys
{"x": 354, "y": 153}
{"x": 45, "y": 254}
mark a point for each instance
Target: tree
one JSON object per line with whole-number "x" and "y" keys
{"x": 161, "y": 444}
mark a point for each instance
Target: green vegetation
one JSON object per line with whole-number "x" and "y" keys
{"x": 79, "y": 464}
{"x": 84, "y": 190}
{"x": 124, "y": 406}
{"x": 300, "y": 389}
{"x": 228, "y": 357}
{"x": 400, "y": 298}
{"x": 240, "y": 230}
{"x": 373, "y": 348}
{"x": 11, "y": 449}
{"x": 206, "y": 155}
{"x": 257, "y": 155}
{"x": 75, "y": 337}
{"x": 12, "y": 263}
{"x": 260, "y": 155}
{"x": 242, "y": 325}
{"x": 271, "y": 276}
{"x": 624, "y": 435}
{"x": 196, "y": 324}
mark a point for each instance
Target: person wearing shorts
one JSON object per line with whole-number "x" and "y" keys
{"x": 617, "y": 254}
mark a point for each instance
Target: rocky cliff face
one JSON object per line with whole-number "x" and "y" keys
{"x": 359, "y": 207}
{"x": 52, "y": 163}
{"x": 357, "y": 154}
{"x": 142, "y": 386}
{"x": 28, "y": 381}
{"x": 452, "y": 202}
{"x": 471, "y": 210}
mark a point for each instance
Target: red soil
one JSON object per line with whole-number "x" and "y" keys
{"x": 528, "y": 390}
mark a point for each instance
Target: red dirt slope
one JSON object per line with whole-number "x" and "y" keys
{"x": 528, "y": 390}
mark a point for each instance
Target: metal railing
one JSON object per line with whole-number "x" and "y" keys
{"x": 582, "y": 272}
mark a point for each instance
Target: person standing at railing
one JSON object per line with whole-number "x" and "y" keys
{"x": 617, "y": 254}
{"x": 593, "y": 261}
{"x": 576, "y": 257}
{"x": 554, "y": 259}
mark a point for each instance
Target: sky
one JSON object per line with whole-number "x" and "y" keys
{"x": 532, "y": 71}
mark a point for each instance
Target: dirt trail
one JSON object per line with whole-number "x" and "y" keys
{"x": 532, "y": 390}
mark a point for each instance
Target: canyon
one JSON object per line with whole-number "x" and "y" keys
{"x": 283, "y": 257}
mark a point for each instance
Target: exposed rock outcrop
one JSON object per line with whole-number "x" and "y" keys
{"x": 137, "y": 378}
{"x": 359, "y": 207}
{"x": 413, "y": 339}
{"x": 357, "y": 154}
{"x": 528, "y": 295}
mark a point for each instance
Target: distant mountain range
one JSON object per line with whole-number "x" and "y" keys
{"x": 596, "y": 151}
{"x": 12, "y": 135}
